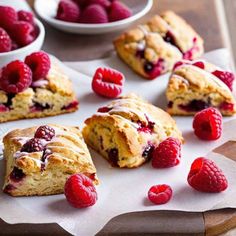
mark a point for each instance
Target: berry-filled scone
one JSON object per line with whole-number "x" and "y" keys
{"x": 196, "y": 85}
{"x": 153, "y": 48}
{"x": 127, "y": 130}
{"x": 40, "y": 159}
{"x": 35, "y": 88}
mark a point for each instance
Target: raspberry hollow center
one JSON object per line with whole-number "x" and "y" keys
{"x": 14, "y": 77}
{"x": 196, "y": 167}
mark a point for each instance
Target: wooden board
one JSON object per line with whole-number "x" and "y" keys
{"x": 202, "y": 15}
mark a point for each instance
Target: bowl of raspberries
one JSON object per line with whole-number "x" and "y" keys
{"x": 20, "y": 34}
{"x": 91, "y": 16}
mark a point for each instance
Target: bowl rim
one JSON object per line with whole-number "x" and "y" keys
{"x": 74, "y": 25}
{"x": 25, "y": 48}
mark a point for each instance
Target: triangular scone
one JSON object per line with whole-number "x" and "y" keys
{"x": 45, "y": 172}
{"x": 49, "y": 96}
{"x": 193, "y": 86}
{"x": 152, "y": 49}
{"x": 127, "y": 130}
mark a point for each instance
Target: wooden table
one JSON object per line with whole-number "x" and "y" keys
{"x": 202, "y": 14}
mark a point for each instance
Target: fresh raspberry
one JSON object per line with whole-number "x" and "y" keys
{"x": 199, "y": 64}
{"x": 160, "y": 194}
{"x": 226, "y": 77}
{"x": 68, "y": 11}
{"x": 81, "y": 3}
{"x": 45, "y": 132}
{"x": 205, "y": 176}
{"x": 8, "y": 16}
{"x": 23, "y": 33}
{"x": 104, "y": 3}
{"x": 25, "y": 16}
{"x": 14, "y": 45}
{"x": 80, "y": 191}
{"x": 16, "y": 77}
{"x": 207, "y": 124}
{"x": 119, "y": 11}
{"x": 167, "y": 154}
{"x": 5, "y": 41}
{"x": 94, "y": 14}
{"x": 33, "y": 145}
{"x": 108, "y": 82}
{"x": 39, "y": 63}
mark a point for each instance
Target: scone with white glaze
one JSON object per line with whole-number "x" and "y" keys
{"x": 196, "y": 85}
{"x": 40, "y": 159}
{"x": 127, "y": 130}
{"x": 50, "y": 95}
{"x": 152, "y": 49}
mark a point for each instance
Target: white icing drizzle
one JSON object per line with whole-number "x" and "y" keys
{"x": 181, "y": 78}
{"x": 40, "y": 83}
{"x": 208, "y": 75}
{"x": 128, "y": 121}
{"x": 141, "y": 45}
{"x": 22, "y": 140}
{"x": 119, "y": 106}
{"x": 56, "y": 138}
{"x": 19, "y": 154}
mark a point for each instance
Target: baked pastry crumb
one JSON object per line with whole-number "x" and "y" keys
{"x": 127, "y": 130}
{"x": 35, "y": 166}
{"x": 153, "y": 48}
{"x": 46, "y": 97}
{"x": 194, "y": 86}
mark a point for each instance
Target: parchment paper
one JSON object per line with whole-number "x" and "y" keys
{"x": 123, "y": 190}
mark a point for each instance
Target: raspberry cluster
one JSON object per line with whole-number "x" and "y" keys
{"x": 92, "y": 11}
{"x": 36, "y": 144}
{"x": 17, "y": 29}
{"x": 18, "y": 76}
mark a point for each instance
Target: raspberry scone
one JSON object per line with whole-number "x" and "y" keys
{"x": 127, "y": 130}
{"x": 35, "y": 88}
{"x": 196, "y": 85}
{"x": 153, "y": 48}
{"x": 40, "y": 159}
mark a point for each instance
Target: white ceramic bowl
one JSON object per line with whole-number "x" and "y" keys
{"x": 21, "y": 53}
{"x": 47, "y": 11}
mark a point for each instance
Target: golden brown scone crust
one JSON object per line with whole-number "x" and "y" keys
{"x": 67, "y": 155}
{"x": 118, "y": 131}
{"x": 149, "y": 38}
{"x": 55, "y": 94}
{"x": 188, "y": 83}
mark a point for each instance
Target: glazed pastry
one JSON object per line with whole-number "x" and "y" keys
{"x": 48, "y": 96}
{"x": 196, "y": 85}
{"x": 153, "y": 48}
{"x": 40, "y": 159}
{"x": 126, "y": 131}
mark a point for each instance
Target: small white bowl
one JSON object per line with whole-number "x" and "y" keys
{"x": 21, "y": 53}
{"x": 47, "y": 11}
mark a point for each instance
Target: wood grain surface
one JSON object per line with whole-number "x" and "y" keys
{"x": 202, "y": 15}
